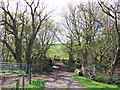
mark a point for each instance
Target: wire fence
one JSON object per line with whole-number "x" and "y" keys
{"x": 13, "y": 74}
{"x": 13, "y": 66}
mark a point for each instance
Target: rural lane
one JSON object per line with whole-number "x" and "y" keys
{"x": 58, "y": 80}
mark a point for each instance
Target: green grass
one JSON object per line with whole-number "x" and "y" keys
{"x": 30, "y": 87}
{"x": 36, "y": 85}
{"x": 58, "y": 50}
{"x": 91, "y": 84}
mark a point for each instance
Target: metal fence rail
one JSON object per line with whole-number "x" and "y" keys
{"x": 6, "y": 80}
{"x": 12, "y": 66}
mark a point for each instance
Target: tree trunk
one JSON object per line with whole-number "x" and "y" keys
{"x": 94, "y": 70}
{"x": 71, "y": 52}
{"x": 117, "y": 57}
{"x": 18, "y": 52}
{"x": 83, "y": 69}
{"x": 29, "y": 52}
{"x": 71, "y": 57}
{"x": 28, "y": 56}
{"x": 44, "y": 54}
{"x": 117, "y": 60}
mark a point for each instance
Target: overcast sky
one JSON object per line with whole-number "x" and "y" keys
{"x": 57, "y": 5}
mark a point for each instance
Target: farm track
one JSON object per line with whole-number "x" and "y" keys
{"x": 60, "y": 80}
{"x": 12, "y": 81}
{"x": 53, "y": 81}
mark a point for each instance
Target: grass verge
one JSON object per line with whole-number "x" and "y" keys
{"x": 93, "y": 85}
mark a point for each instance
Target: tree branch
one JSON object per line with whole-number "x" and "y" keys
{"x": 9, "y": 48}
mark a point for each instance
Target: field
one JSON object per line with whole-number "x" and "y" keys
{"x": 58, "y": 50}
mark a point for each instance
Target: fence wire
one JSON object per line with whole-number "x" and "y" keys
{"x": 11, "y": 73}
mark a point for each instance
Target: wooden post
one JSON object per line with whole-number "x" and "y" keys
{"x": 23, "y": 83}
{"x": 17, "y": 84}
{"x": 29, "y": 76}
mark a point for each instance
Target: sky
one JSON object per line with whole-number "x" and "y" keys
{"x": 56, "y": 5}
{"x": 59, "y": 5}
{"x": 62, "y": 3}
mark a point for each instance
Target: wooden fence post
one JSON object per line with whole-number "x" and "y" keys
{"x": 17, "y": 84}
{"x": 29, "y": 76}
{"x": 23, "y": 83}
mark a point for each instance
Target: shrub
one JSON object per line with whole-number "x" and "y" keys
{"x": 21, "y": 72}
{"x": 101, "y": 78}
{"x": 117, "y": 81}
{"x": 49, "y": 69}
{"x": 71, "y": 69}
{"x": 36, "y": 84}
{"x": 65, "y": 61}
{"x": 18, "y": 71}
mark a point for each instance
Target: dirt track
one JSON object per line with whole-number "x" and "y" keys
{"x": 55, "y": 80}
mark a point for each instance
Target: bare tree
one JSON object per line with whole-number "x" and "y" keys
{"x": 35, "y": 26}
{"x": 12, "y": 22}
{"x": 44, "y": 40}
{"x": 16, "y": 23}
{"x": 82, "y": 22}
{"x": 113, "y": 12}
